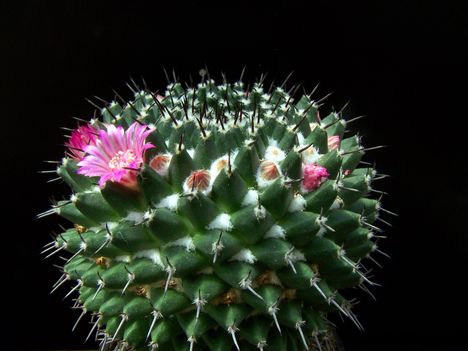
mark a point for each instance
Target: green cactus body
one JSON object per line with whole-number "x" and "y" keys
{"x": 221, "y": 245}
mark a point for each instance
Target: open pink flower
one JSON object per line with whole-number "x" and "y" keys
{"x": 79, "y": 139}
{"x": 117, "y": 154}
{"x": 333, "y": 142}
{"x": 314, "y": 175}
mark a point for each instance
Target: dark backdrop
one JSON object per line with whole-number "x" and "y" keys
{"x": 401, "y": 64}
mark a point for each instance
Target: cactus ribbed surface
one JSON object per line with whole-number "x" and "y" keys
{"x": 218, "y": 217}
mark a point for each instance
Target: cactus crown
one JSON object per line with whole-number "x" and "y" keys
{"x": 217, "y": 217}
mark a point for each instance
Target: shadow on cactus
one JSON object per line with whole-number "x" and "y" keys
{"x": 216, "y": 217}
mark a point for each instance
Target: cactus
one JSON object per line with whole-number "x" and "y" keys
{"x": 215, "y": 218}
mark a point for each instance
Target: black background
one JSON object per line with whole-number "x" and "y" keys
{"x": 403, "y": 64}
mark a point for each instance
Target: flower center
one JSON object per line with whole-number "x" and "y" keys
{"x": 122, "y": 159}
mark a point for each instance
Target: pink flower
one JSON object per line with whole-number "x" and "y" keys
{"x": 333, "y": 142}
{"x": 314, "y": 175}
{"x": 117, "y": 154}
{"x": 79, "y": 139}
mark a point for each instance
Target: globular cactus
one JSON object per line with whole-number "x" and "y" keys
{"x": 215, "y": 217}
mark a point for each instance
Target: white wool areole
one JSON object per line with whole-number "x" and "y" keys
{"x": 251, "y": 198}
{"x": 244, "y": 255}
{"x": 221, "y": 163}
{"x": 222, "y": 222}
{"x": 260, "y": 212}
{"x": 274, "y": 153}
{"x": 136, "y": 217}
{"x": 275, "y": 231}
{"x": 309, "y": 155}
{"x": 154, "y": 255}
{"x": 186, "y": 242}
{"x": 298, "y": 203}
{"x": 169, "y": 202}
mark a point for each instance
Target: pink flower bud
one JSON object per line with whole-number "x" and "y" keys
{"x": 79, "y": 139}
{"x": 333, "y": 142}
{"x": 160, "y": 163}
{"x": 314, "y": 175}
{"x": 199, "y": 180}
{"x": 269, "y": 170}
